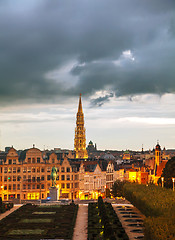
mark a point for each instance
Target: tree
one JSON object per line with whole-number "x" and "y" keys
{"x": 168, "y": 173}
{"x": 117, "y": 188}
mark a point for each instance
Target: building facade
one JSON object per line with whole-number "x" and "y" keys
{"x": 28, "y": 176}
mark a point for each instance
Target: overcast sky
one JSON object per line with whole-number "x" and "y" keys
{"x": 120, "y": 54}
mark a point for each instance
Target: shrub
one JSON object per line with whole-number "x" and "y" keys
{"x": 151, "y": 200}
{"x": 157, "y": 204}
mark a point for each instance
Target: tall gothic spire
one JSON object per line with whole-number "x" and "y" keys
{"x": 80, "y": 137}
{"x": 80, "y": 110}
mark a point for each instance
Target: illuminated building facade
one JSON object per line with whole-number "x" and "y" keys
{"x": 80, "y": 137}
{"x": 27, "y": 176}
{"x": 92, "y": 181}
{"x": 159, "y": 163}
{"x": 110, "y": 175}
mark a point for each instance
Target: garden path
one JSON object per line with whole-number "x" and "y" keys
{"x": 128, "y": 229}
{"x": 3, "y": 215}
{"x": 80, "y": 230}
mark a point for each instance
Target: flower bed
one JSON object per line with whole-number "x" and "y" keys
{"x": 158, "y": 205}
{"x": 23, "y": 224}
{"x": 103, "y": 222}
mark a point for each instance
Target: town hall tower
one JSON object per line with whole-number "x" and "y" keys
{"x": 80, "y": 137}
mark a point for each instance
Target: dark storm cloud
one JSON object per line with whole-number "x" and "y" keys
{"x": 38, "y": 37}
{"x": 101, "y": 100}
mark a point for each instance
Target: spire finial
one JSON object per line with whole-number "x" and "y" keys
{"x": 80, "y": 105}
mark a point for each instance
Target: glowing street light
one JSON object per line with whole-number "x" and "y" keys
{"x": 173, "y": 179}
{"x": 162, "y": 178}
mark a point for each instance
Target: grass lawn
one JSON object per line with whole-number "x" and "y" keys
{"x": 39, "y": 222}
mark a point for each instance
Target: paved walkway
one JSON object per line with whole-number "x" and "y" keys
{"x": 126, "y": 225}
{"x": 3, "y": 215}
{"x": 80, "y": 230}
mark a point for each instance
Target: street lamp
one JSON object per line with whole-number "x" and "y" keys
{"x": 162, "y": 178}
{"x": 173, "y": 180}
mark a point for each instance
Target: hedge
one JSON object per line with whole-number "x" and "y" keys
{"x": 158, "y": 205}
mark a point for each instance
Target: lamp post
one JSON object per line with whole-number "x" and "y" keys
{"x": 162, "y": 178}
{"x": 173, "y": 180}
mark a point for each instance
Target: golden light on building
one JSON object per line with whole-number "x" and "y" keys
{"x": 80, "y": 137}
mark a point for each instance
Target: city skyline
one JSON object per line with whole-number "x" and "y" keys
{"x": 120, "y": 56}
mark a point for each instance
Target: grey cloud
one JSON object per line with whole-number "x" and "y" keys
{"x": 40, "y": 36}
{"x": 101, "y": 100}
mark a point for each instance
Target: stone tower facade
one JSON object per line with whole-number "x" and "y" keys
{"x": 80, "y": 137}
{"x": 157, "y": 160}
{"x": 157, "y": 155}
